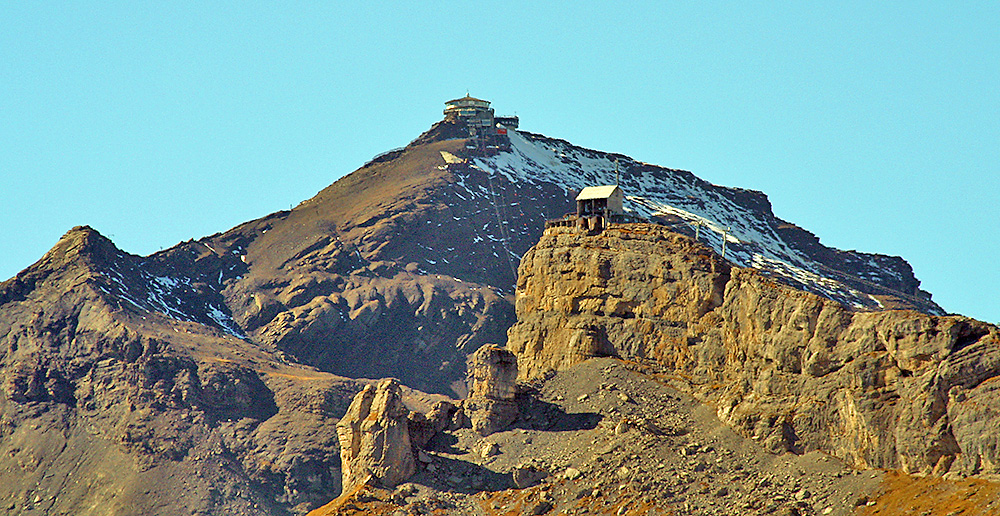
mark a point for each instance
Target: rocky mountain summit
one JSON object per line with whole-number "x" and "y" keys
{"x": 219, "y": 376}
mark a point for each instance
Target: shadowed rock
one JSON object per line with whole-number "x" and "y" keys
{"x": 423, "y": 427}
{"x": 492, "y": 382}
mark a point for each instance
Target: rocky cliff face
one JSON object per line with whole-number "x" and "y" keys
{"x": 796, "y": 371}
{"x": 111, "y": 408}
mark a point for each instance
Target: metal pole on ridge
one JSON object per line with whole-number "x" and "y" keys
{"x": 725, "y": 235}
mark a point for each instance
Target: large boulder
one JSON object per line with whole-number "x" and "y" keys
{"x": 374, "y": 438}
{"x": 492, "y": 388}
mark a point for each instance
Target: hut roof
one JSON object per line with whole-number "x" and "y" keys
{"x": 596, "y": 192}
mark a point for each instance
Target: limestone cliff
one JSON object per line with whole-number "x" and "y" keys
{"x": 798, "y": 372}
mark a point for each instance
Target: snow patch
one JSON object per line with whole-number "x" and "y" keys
{"x": 750, "y": 240}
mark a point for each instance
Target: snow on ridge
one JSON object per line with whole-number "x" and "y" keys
{"x": 224, "y": 321}
{"x": 751, "y": 240}
{"x": 166, "y": 294}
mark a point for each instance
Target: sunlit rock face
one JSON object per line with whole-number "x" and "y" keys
{"x": 492, "y": 388}
{"x": 796, "y": 371}
{"x": 374, "y": 438}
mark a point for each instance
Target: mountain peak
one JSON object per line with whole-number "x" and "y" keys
{"x": 81, "y": 247}
{"x": 402, "y": 269}
{"x": 82, "y": 242}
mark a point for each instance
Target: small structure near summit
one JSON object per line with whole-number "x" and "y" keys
{"x": 596, "y": 208}
{"x": 507, "y": 122}
{"x": 605, "y": 201}
{"x": 474, "y": 113}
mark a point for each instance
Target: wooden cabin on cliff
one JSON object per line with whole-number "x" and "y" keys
{"x": 605, "y": 201}
{"x": 596, "y": 207}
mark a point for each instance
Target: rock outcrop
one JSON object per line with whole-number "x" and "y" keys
{"x": 797, "y": 372}
{"x": 423, "y": 427}
{"x": 492, "y": 388}
{"x": 375, "y": 439}
{"x": 106, "y": 407}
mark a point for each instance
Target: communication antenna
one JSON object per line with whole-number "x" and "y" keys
{"x": 617, "y": 174}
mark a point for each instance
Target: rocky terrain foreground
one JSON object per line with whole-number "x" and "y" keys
{"x": 613, "y": 437}
{"x": 649, "y": 428}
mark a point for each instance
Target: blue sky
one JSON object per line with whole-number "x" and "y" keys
{"x": 876, "y": 125}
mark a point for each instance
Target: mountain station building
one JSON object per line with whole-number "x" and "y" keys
{"x": 487, "y": 131}
{"x": 475, "y": 113}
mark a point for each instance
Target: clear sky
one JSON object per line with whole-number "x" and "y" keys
{"x": 875, "y": 125}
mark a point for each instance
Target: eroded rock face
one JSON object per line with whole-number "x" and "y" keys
{"x": 492, "y": 383}
{"x": 163, "y": 416}
{"x": 492, "y": 373}
{"x": 423, "y": 427}
{"x": 798, "y": 372}
{"x": 374, "y": 438}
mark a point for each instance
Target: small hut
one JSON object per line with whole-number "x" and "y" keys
{"x": 605, "y": 201}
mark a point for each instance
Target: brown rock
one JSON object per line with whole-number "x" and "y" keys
{"x": 492, "y": 382}
{"x": 374, "y": 438}
{"x": 797, "y": 372}
{"x": 492, "y": 373}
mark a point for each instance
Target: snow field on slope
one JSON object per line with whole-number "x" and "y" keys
{"x": 163, "y": 295}
{"x": 750, "y": 240}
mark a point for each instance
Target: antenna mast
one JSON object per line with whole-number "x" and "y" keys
{"x": 617, "y": 174}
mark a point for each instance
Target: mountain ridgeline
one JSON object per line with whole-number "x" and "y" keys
{"x": 209, "y": 377}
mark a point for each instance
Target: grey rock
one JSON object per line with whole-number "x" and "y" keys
{"x": 542, "y": 507}
{"x": 527, "y": 475}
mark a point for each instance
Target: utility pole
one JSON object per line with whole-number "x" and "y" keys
{"x": 725, "y": 235}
